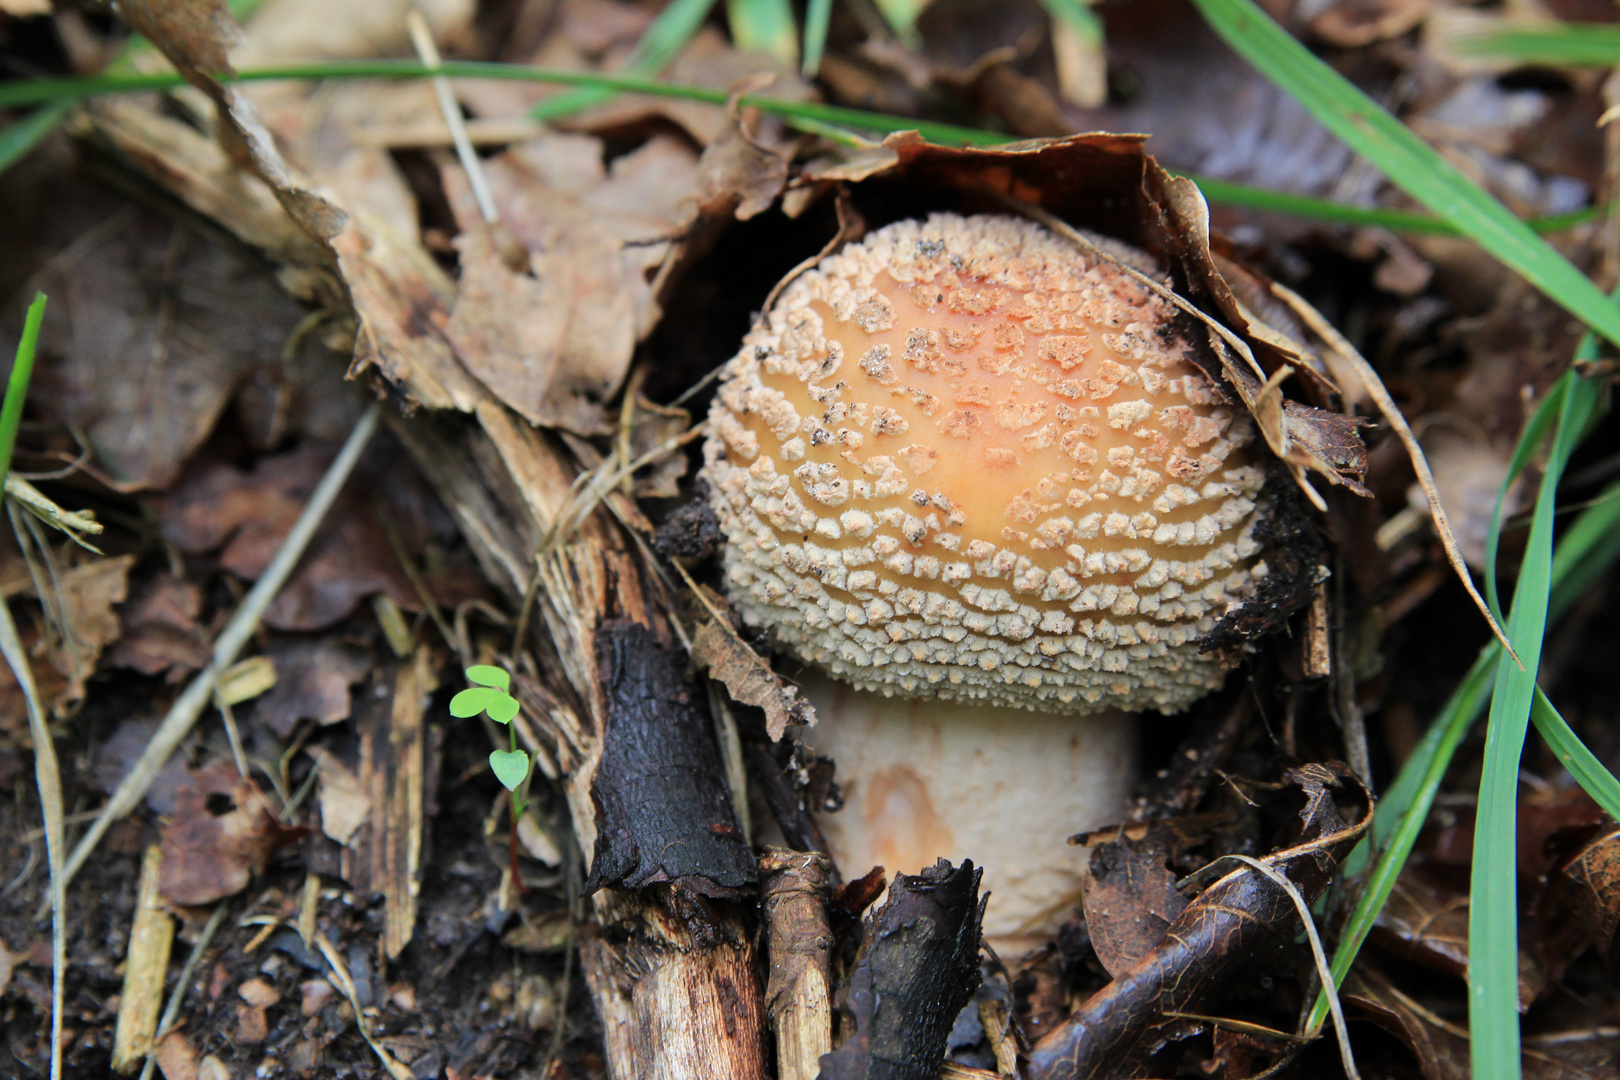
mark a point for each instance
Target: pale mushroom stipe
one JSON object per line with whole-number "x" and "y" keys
{"x": 962, "y": 460}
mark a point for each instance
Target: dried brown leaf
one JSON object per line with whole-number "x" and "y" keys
{"x": 222, "y": 833}
{"x": 1130, "y": 894}
{"x": 245, "y": 515}
{"x": 739, "y": 174}
{"x": 552, "y": 335}
{"x": 344, "y": 803}
{"x": 312, "y": 682}
{"x": 152, "y": 328}
{"x": 84, "y": 596}
{"x": 746, "y": 675}
{"x": 196, "y": 36}
{"x": 1441, "y": 1047}
{"x": 1581, "y": 905}
{"x": 161, "y": 635}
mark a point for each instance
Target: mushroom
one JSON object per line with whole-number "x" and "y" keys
{"x": 973, "y": 474}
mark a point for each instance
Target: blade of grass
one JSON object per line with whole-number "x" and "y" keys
{"x": 901, "y": 15}
{"x": 1406, "y": 221}
{"x": 1408, "y": 161}
{"x": 33, "y": 91}
{"x": 1582, "y": 764}
{"x": 1589, "y": 546}
{"x": 764, "y": 26}
{"x": 817, "y": 17}
{"x": 666, "y": 37}
{"x": 22, "y": 370}
{"x": 1586, "y": 549}
{"x": 1493, "y": 911}
{"x": 18, "y": 140}
{"x": 1570, "y": 44}
{"x": 809, "y": 116}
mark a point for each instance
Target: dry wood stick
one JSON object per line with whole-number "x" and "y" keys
{"x": 795, "y": 885}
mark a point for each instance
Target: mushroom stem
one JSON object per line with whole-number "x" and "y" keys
{"x": 1005, "y": 787}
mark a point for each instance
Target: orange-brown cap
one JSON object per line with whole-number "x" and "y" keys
{"x": 962, "y": 458}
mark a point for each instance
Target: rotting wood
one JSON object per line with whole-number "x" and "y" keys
{"x": 672, "y": 975}
{"x": 386, "y": 855}
{"x": 146, "y": 965}
{"x": 795, "y": 888}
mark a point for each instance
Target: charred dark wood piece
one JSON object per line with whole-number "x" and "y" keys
{"x": 916, "y": 967}
{"x": 692, "y": 531}
{"x": 1296, "y": 554}
{"x": 664, "y": 810}
{"x": 775, "y": 771}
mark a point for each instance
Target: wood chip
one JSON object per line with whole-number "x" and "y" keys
{"x": 145, "y": 967}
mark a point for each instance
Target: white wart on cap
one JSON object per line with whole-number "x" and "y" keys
{"x": 962, "y": 459}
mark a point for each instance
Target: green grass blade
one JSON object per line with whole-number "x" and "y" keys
{"x": 1401, "y": 815}
{"x": 1586, "y": 550}
{"x": 814, "y": 117}
{"x": 1582, "y": 764}
{"x": 665, "y": 38}
{"x": 18, "y": 139}
{"x": 1078, "y": 17}
{"x": 1493, "y": 912}
{"x": 1530, "y": 440}
{"x": 1570, "y": 44}
{"x": 1228, "y": 193}
{"x": 817, "y": 18}
{"x": 1407, "y": 160}
{"x": 34, "y": 91}
{"x": 764, "y": 26}
{"x": 901, "y": 15}
{"x": 22, "y": 370}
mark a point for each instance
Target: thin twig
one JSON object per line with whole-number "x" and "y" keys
{"x": 190, "y": 704}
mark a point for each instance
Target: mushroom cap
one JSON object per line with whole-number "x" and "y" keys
{"x": 964, "y": 459}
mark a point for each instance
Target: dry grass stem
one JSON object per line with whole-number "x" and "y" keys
{"x": 345, "y": 983}
{"x": 422, "y": 40}
{"x": 1323, "y": 970}
{"x": 49, "y": 780}
{"x": 1420, "y": 464}
{"x": 171, "y": 1011}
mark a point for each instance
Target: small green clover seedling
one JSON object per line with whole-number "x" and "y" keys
{"x": 511, "y": 766}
